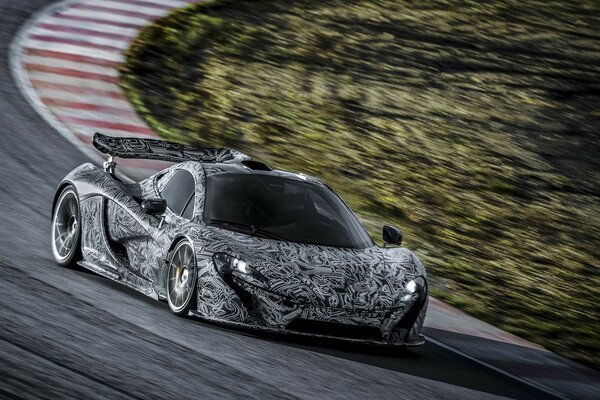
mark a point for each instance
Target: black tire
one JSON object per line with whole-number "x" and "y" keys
{"x": 182, "y": 279}
{"x": 66, "y": 228}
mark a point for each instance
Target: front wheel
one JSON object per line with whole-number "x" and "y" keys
{"x": 66, "y": 228}
{"x": 181, "y": 279}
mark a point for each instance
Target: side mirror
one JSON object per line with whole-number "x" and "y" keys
{"x": 155, "y": 207}
{"x": 392, "y": 235}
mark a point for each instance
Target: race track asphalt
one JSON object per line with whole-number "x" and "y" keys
{"x": 67, "y": 333}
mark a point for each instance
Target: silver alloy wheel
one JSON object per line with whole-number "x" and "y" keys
{"x": 181, "y": 279}
{"x": 65, "y": 226}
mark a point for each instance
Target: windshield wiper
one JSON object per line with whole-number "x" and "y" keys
{"x": 253, "y": 230}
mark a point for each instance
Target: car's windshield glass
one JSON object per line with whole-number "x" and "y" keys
{"x": 286, "y": 208}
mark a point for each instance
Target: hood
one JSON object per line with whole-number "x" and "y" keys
{"x": 362, "y": 279}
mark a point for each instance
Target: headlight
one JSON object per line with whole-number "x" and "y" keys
{"x": 414, "y": 285}
{"x": 411, "y": 286}
{"x": 240, "y": 265}
{"x": 226, "y": 264}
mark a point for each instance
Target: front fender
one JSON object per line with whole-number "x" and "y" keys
{"x": 405, "y": 258}
{"x": 216, "y": 298}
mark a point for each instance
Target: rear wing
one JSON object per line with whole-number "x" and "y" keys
{"x": 153, "y": 149}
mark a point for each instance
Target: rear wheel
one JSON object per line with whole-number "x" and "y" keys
{"x": 181, "y": 278}
{"x": 66, "y": 228}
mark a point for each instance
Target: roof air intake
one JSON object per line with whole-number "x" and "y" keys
{"x": 256, "y": 165}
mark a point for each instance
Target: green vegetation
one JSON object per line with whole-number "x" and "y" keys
{"x": 472, "y": 126}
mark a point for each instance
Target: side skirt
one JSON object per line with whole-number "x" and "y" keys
{"x": 114, "y": 277}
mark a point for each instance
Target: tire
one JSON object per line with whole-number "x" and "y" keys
{"x": 66, "y": 229}
{"x": 181, "y": 278}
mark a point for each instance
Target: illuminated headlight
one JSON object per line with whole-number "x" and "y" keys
{"x": 226, "y": 265}
{"x": 240, "y": 265}
{"x": 411, "y": 286}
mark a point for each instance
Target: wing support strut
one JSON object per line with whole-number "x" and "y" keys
{"x": 110, "y": 165}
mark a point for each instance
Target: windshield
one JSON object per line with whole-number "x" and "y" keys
{"x": 282, "y": 208}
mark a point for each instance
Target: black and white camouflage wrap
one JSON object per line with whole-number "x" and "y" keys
{"x": 346, "y": 287}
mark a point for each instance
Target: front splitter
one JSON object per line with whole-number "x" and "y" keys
{"x": 289, "y": 332}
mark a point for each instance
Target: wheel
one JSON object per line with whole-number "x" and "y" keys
{"x": 66, "y": 229}
{"x": 181, "y": 279}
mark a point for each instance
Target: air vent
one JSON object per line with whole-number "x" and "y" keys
{"x": 335, "y": 329}
{"x": 256, "y": 165}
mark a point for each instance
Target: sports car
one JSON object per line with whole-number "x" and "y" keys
{"x": 231, "y": 240}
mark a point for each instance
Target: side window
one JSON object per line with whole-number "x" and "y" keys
{"x": 188, "y": 211}
{"x": 179, "y": 193}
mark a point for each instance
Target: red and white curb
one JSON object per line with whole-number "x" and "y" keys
{"x": 66, "y": 62}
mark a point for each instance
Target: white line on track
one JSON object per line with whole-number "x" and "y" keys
{"x": 93, "y": 26}
{"x": 75, "y": 49}
{"x": 157, "y": 12}
{"x": 120, "y": 44}
{"x": 106, "y": 16}
{"x": 171, "y": 3}
{"x": 98, "y": 116}
{"x": 501, "y": 371}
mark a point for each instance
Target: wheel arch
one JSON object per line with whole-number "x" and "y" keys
{"x": 59, "y": 190}
{"x": 178, "y": 238}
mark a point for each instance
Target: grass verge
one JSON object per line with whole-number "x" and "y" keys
{"x": 472, "y": 126}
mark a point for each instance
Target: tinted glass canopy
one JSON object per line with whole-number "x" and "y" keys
{"x": 282, "y": 208}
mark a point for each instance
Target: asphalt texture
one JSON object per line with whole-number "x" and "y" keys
{"x": 68, "y": 333}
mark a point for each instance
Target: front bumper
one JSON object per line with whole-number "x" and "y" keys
{"x": 271, "y": 312}
{"x": 415, "y": 341}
